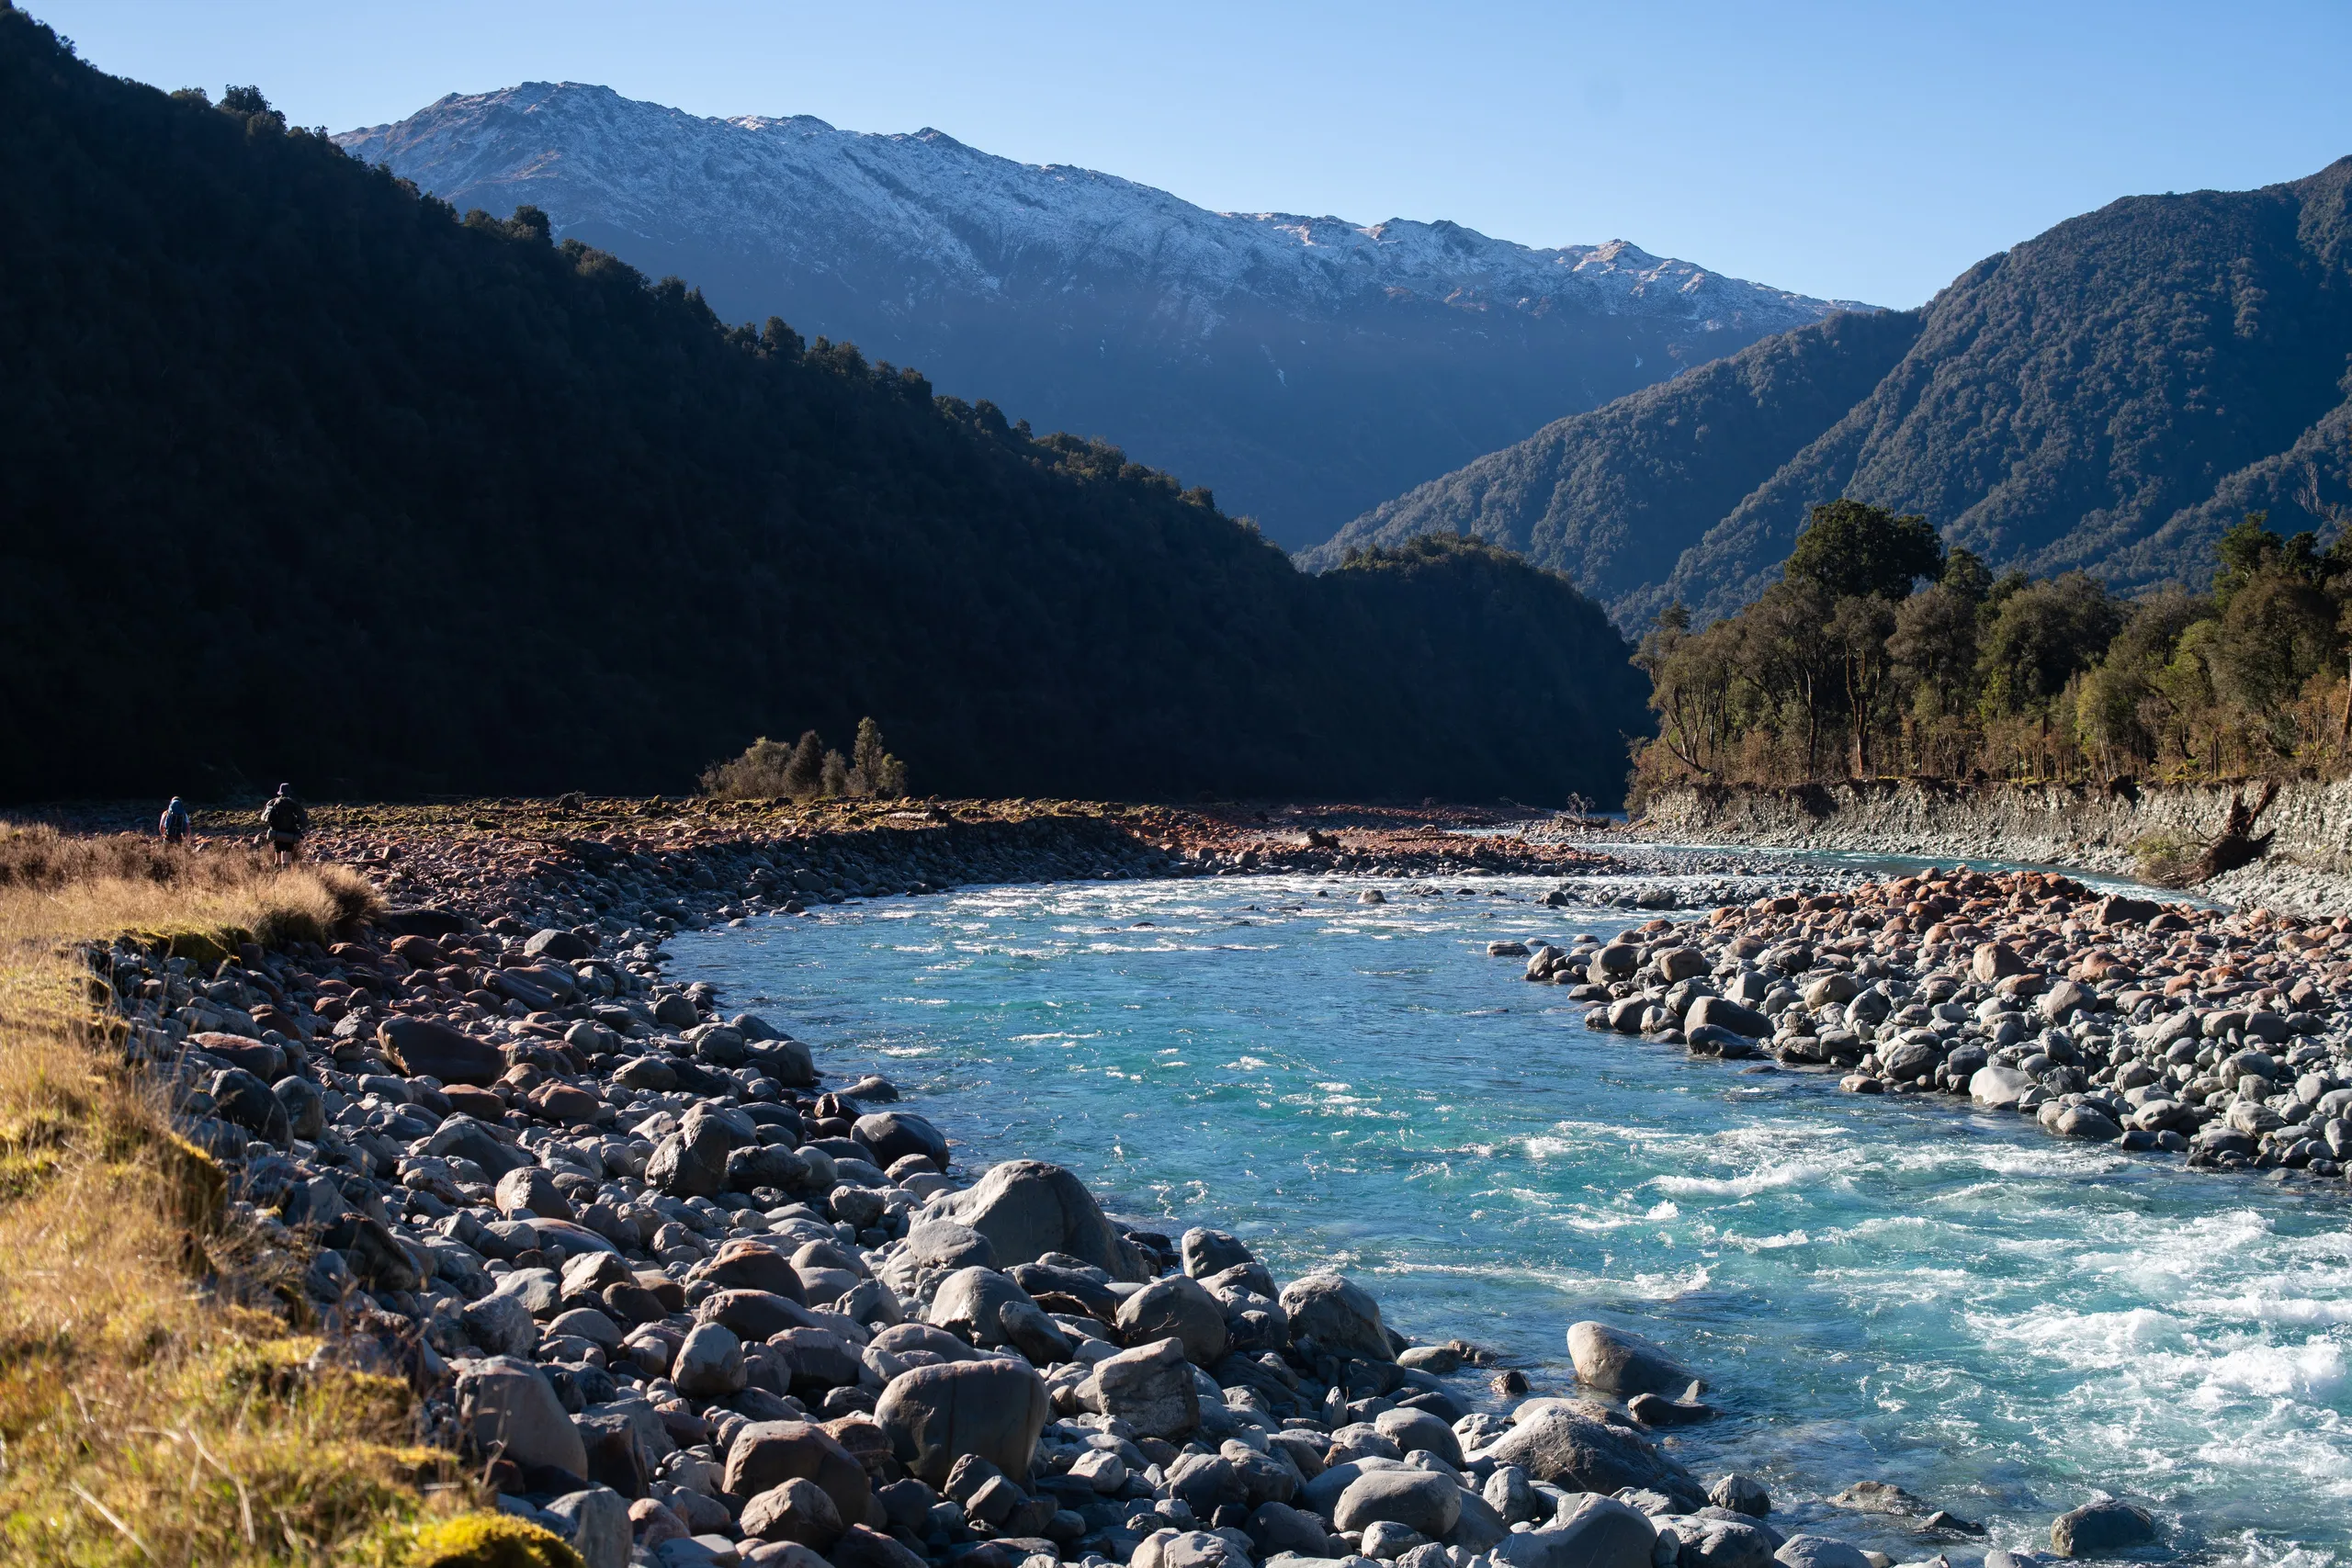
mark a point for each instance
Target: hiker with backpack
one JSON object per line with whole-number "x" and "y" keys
{"x": 173, "y": 826}
{"x": 287, "y": 822}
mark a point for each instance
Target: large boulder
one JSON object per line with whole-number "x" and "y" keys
{"x": 420, "y": 1047}
{"x": 1623, "y": 1364}
{"x": 692, "y": 1161}
{"x": 507, "y": 1406}
{"x": 1422, "y": 1500}
{"x": 1602, "y": 1533}
{"x": 1997, "y": 1086}
{"x": 1578, "y": 1453}
{"x": 934, "y": 1416}
{"x": 1211, "y": 1252}
{"x": 1721, "y": 1012}
{"x": 1338, "y": 1316}
{"x": 1150, "y": 1388}
{"x": 1819, "y": 1551}
{"x": 1027, "y": 1208}
{"x": 742, "y": 1263}
{"x": 710, "y": 1362}
{"x": 462, "y": 1135}
{"x": 2101, "y": 1529}
{"x": 766, "y": 1454}
{"x": 894, "y": 1134}
{"x": 1176, "y": 1307}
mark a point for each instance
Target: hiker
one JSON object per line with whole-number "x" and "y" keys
{"x": 174, "y": 824}
{"x": 287, "y": 822}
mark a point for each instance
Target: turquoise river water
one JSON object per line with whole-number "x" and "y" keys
{"x": 2004, "y": 1324}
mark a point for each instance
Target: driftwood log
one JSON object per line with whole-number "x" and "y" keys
{"x": 2239, "y": 844}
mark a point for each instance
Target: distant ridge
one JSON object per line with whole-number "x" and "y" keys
{"x": 1303, "y": 367}
{"x": 305, "y": 478}
{"x": 2108, "y": 396}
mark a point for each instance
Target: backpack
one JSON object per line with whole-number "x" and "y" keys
{"x": 282, "y": 815}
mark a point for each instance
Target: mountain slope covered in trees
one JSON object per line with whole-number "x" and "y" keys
{"x": 1304, "y": 368}
{"x": 2108, "y": 397}
{"x": 304, "y": 476}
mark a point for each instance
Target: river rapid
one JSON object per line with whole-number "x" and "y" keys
{"x": 2005, "y": 1323}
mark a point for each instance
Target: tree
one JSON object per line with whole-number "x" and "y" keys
{"x": 1965, "y": 575}
{"x": 1788, "y": 652}
{"x": 2124, "y": 705}
{"x": 2043, "y": 634}
{"x": 1859, "y": 627}
{"x": 873, "y": 771}
{"x": 833, "y": 775}
{"x": 1850, "y": 547}
{"x": 1934, "y": 647}
{"x": 2276, "y": 631}
{"x": 804, "y": 775}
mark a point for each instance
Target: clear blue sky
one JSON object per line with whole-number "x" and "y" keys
{"x": 1849, "y": 151}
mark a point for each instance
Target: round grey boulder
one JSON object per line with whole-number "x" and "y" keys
{"x": 2101, "y": 1529}
{"x": 1620, "y": 1363}
{"x": 1337, "y": 1315}
{"x": 934, "y": 1416}
{"x": 1819, "y": 1551}
{"x": 1176, "y": 1307}
{"x": 1422, "y": 1500}
{"x": 1027, "y": 1208}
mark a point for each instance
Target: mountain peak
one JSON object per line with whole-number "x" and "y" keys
{"x": 1303, "y": 366}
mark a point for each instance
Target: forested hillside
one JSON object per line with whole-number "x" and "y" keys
{"x": 303, "y": 476}
{"x": 2108, "y": 397}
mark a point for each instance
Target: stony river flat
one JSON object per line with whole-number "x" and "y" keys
{"x": 1901, "y": 1289}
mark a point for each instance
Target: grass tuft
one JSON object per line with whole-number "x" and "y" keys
{"x": 155, "y": 1405}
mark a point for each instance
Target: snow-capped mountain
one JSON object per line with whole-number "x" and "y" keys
{"x": 1304, "y": 368}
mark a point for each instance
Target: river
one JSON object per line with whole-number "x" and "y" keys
{"x": 2002, "y": 1323}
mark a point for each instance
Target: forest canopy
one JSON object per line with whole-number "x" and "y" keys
{"x": 306, "y": 476}
{"x": 1907, "y": 659}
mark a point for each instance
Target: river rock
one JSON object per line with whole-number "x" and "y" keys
{"x": 1180, "y": 1308}
{"x": 1579, "y": 1454}
{"x": 766, "y": 1454}
{"x": 2082, "y": 1122}
{"x": 243, "y": 1099}
{"x": 1602, "y": 1533}
{"x": 692, "y": 1161}
{"x": 1819, "y": 1551}
{"x": 1422, "y": 1500}
{"x": 1999, "y": 1088}
{"x": 797, "y": 1510}
{"x": 1620, "y": 1363}
{"x": 1721, "y": 1012}
{"x": 530, "y": 1190}
{"x": 1027, "y": 1208}
{"x": 305, "y": 1107}
{"x": 710, "y": 1362}
{"x": 1338, "y": 1316}
{"x": 2101, "y": 1529}
{"x": 1742, "y": 1494}
{"x": 1150, "y": 1388}
{"x": 1207, "y": 1252}
{"x": 421, "y": 1047}
{"x": 936, "y": 1415}
{"x": 894, "y": 1134}
{"x": 596, "y": 1523}
{"x": 1995, "y": 962}
{"x": 506, "y": 1405}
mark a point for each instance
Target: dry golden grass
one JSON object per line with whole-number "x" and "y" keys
{"x": 157, "y": 1404}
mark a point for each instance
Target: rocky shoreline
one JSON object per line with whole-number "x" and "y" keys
{"x": 681, "y": 1301}
{"x": 2160, "y": 1029}
{"x": 2306, "y": 870}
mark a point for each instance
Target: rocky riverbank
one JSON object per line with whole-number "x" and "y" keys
{"x": 2164, "y": 1029}
{"x": 681, "y": 1301}
{"x": 2307, "y": 868}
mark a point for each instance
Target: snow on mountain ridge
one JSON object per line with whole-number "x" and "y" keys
{"x": 797, "y": 186}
